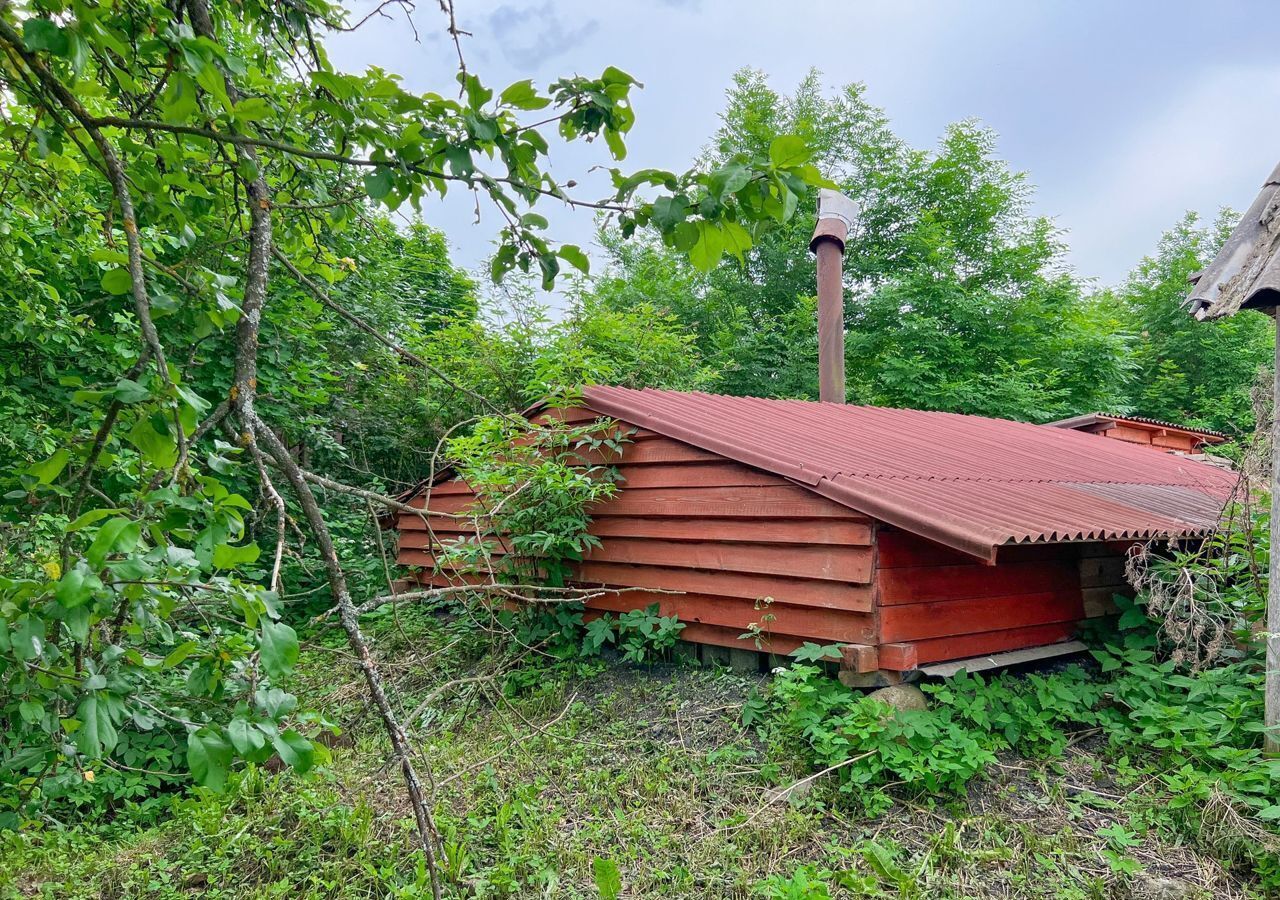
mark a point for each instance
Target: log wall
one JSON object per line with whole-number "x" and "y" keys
{"x": 747, "y": 548}
{"x": 935, "y": 604}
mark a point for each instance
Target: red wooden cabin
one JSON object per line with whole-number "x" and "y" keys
{"x": 909, "y": 538}
{"x": 1153, "y": 433}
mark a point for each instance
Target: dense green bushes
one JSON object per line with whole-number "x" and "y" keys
{"x": 1195, "y": 736}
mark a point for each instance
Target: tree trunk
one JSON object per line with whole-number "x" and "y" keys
{"x": 1271, "y": 716}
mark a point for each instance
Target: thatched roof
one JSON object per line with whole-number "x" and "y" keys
{"x": 1246, "y": 272}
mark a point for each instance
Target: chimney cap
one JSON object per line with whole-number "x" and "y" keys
{"x": 836, "y": 215}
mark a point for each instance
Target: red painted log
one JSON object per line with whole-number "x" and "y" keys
{"x": 797, "y": 591}
{"x": 916, "y": 621}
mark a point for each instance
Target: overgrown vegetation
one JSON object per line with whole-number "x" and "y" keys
{"x": 220, "y": 356}
{"x": 553, "y": 775}
{"x": 1198, "y": 735}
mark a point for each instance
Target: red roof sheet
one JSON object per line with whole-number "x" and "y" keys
{"x": 969, "y": 482}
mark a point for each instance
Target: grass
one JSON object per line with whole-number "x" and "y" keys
{"x": 649, "y": 768}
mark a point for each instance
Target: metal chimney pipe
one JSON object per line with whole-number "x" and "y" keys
{"x": 836, "y": 215}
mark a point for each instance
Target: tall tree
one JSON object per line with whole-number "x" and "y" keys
{"x": 1200, "y": 373}
{"x": 958, "y": 296}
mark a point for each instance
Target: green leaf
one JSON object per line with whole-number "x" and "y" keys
{"x": 612, "y": 75}
{"x": 295, "y": 750}
{"x": 32, "y": 711}
{"x": 708, "y": 249}
{"x": 208, "y": 757}
{"x": 1133, "y": 617}
{"x": 43, "y": 34}
{"x": 523, "y": 95}
{"x": 77, "y": 621}
{"x": 669, "y": 211}
{"x": 730, "y": 179}
{"x": 27, "y": 637}
{"x": 279, "y": 648}
{"x": 156, "y": 448}
{"x": 574, "y": 256}
{"x": 45, "y": 472}
{"x": 787, "y": 150}
{"x": 197, "y": 403}
{"x": 119, "y": 535}
{"x": 228, "y": 556}
{"x": 96, "y": 735}
{"x": 178, "y": 654}
{"x": 378, "y": 183}
{"x": 251, "y": 109}
{"x": 246, "y": 737}
{"x": 737, "y": 240}
{"x": 613, "y": 140}
{"x": 77, "y": 586}
{"x": 275, "y": 702}
{"x": 607, "y": 878}
{"x": 180, "y": 99}
{"x": 129, "y": 391}
{"x": 117, "y": 281}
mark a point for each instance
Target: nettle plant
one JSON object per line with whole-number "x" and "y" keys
{"x": 639, "y": 634}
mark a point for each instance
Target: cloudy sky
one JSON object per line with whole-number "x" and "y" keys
{"x": 1125, "y": 114}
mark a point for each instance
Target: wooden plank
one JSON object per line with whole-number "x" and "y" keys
{"x": 421, "y": 540}
{"x": 795, "y": 591}
{"x": 835, "y": 532}
{"x": 1105, "y": 548}
{"x": 899, "y": 656}
{"x": 414, "y": 522}
{"x": 1129, "y": 433}
{"x": 917, "y": 621}
{"x": 446, "y": 488}
{"x": 655, "y": 450}
{"x": 929, "y": 583}
{"x": 409, "y": 556}
{"x": 575, "y": 415}
{"x": 900, "y": 549}
{"x": 1174, "y": 442}
{"x": 821, "y": 625}
{"x": 449, "y": 503}
{"x": 860, "y": 658}
{"x": 785, "y": 501}
{"x": 430, "y": 579}
{"x": 697, "y": 474}
{"x": 1100, "y": 601}
{"x": 1007, "y": 658}
{"x": 846, "y": 564}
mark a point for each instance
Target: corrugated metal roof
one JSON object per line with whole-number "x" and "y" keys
{"x": 969, "y": 482}
{"x": 1246, "y": 272}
